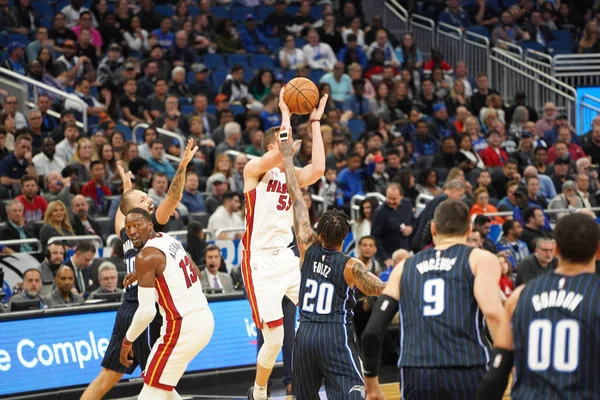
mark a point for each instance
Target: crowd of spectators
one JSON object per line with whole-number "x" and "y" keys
{"x": 397, "y": 124}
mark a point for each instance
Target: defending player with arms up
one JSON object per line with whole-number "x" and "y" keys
{"x": 442, "y": 295}
{"x": 112, "y": 370}
{"x": 556, "y": 324}
{"x": 325, "y": 346}
{"x": 269, "y": 267}
{"x": 167, "y": 276}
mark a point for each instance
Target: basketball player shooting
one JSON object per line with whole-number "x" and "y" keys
{"x": 166, "y": 276}
{"x": 325, "y": 348}
{"x": 269, "y": 267}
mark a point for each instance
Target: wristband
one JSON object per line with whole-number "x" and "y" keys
{"x": 315, "y": 120}
{"x": 126, "y": 344}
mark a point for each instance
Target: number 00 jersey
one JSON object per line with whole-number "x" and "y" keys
{"x": 324, "y": 294}
{"x": 269, "y": 214}
{"x": 556, "y": 328}
{"x": 441, "y": 324}
{"x": 178, "y": 287}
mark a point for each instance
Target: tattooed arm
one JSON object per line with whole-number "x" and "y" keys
{"x": 168, "y": 206}
{"x": 305, "y": 235}
{"x": 357, "y": 274}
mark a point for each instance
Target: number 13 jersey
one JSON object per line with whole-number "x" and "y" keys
{"x": 178, "y": 288}
{"x": 441, "y": 324}
{"x": 269, "y": 214}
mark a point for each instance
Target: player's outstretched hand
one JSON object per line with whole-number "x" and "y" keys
{"x": 188, "y": 154}
{"x": 282, "y": 106}
{"x": 125, "y": 178}
{"x": 317, "y": 113}
{"x": 129, "y": 279}
{"x": 126, "y": 356}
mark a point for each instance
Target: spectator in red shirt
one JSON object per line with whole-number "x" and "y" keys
{"x": 34, "y": 204}
{"x": 564, "y": 135}
{"x": 506, "y": 284}
{"x": 95, "y": 188}
{"x": 493, "y": 155}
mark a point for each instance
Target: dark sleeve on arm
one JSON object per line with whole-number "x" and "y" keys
{"x": 372, "y": 338}
{"x": 524, "y": 273}
{"x": 376, "y": 232}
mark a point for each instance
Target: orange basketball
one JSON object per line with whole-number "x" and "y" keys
{"x": 301, "y": 96}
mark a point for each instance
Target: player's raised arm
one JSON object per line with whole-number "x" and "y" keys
{"x": 305, "y": 235}
{"x": 357, "y": 274}
{"x": 315, "y": 170}
{"x": 175, "y": 193}
{"x": 383, "y": 313}
{"x": 127, "y": 186}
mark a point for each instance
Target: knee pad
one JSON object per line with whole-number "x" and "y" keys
{"x": 271, "y": 347}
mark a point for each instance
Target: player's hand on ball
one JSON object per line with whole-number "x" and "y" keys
{"x": 317, "y": 113}
{"x": 282, "y": 106}
{"x": 189, "y": 152}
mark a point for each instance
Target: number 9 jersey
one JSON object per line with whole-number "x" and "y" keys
{"x": 556, "y": 329}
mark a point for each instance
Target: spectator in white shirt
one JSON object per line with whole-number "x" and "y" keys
{"x": 381, "y": 42}
{"x": 289, "y": 56}
{"x": 46, "y": 162}
{"x": 355, "y": 28}
{"x": 227, "y": 216}
{"x": 65, "y": 150}
{"x": 318, "y": 55}
{"x": 72, "y": 12}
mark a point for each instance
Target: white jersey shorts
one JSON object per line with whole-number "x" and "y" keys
{"x": 268, "y": 276}
{"x": 180, "y": 341}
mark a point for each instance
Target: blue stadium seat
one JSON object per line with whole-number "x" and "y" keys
{"x": 164, "y": 10}
{"x": 193, "y": 10}
{"x": 110, "y": 7}
{"x": 238, "y": 13}
{"x": 218, "y": 77}
{"x": 184, "y": 101}
{"x": 509, "y": 3}
{"x": 530, "y": 44}
{"x": 479, "y": 30}
{"x": 300, "y": 42}
{"x": 560, "y": 44}
{"x": 249, "y": 75}
{"x": 356, "y": 127}
{"x": 241, "y": 59}
{"x": 125, "y": 130}
{"x": 211, "y": 108}
{"x": 563, "y": 35}
{"x": 288, "y": 75}
{"x": 237, "y": 109}
{"x": 292, "y": 10}
{"x": 47, "y": 21}
{"x": 263, "y": 12}
{"x": 3, "y": 42}
{"x": 214, "y": 61}
{"x": 315, "y": 75}
{"x": 220, "y": 12}
{"x": 17, "y": 37}
{"x": 275, "y": 43}
{"x": 316, "y": 12}
{"x": 494, "y": 4}
{"x": 556, "y": 52}
{"x": 190, "y": 77}
{"x": 262, "y": 61}
{"x": 495, "y": 232}
{"x": 62, "y": 5}
{"x": 42, "y": 8}
{"x": 187, "y": 109}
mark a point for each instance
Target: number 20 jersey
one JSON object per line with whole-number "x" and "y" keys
{"x": 441, "y": 325}
{"x": 178, "y": 288}
{"x": 269, "y": 213}
{"x": 556, "y": 329}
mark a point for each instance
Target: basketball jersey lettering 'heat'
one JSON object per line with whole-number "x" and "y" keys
{"x": 441, "y": 324}
{"x": 130, "y": 252}
{"x": 269, "y": 213}
{"x": 556, "y": 328}
{"x": 324, "y": 294}
{"x": 178, "y": 287}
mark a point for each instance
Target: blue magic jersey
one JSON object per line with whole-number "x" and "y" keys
{"x": 324, "y": 294}
{"x": 130, "y": 252}
{"x": 556, "y": 328}
{"x": 441, "y": 324}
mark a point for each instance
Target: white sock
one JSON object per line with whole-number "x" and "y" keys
{"x": 260, "y": 392}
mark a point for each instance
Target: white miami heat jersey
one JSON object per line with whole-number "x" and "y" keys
{"x": 178, "y": 287}
{"x": 269, "y": 214}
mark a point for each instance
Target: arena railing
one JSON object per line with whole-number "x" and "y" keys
{"x": 539, "y": 60}
{"x": 510, "y": 75}
{"x": 39, "y": 85}
{"x": 180, "y": 138}
{"x": 78, "y": 239}
{"x": 577, "y": 69}
{"x": 18, "y": 242}
{"x": 421, "y": 203}
{"x": 589, "y": 108}
{"x": 237, "y": 153}
{"x": 182, "y": 235}
{"x": 423, "y": 30}
{"x": 229, "y": 230}
{"x": 450, "y": 42}
{"x": 112, "y": 239}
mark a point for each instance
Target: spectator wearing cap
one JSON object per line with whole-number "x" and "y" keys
{"x": 339, "y": 82}
{"x": 233, "y": 135}
{"x": 277, "y": 23}
{"x": 454, "y": 15}
{"x": 110, "y": 68}
{"x": 46, "y": 161}
{"x": 318, "y": 55}
{"x": 568, "y": 199}
{"x": 377, "y": 178}
{"x": 357, "y": 106}
{"x": 16, "y": 54}
{"x": 180, "y": 54}
{"x": 95, "y": 187}
{"x": 352, "y": 52}
{"x": 201, "y": 84}
{"x": 155, "y": 162}
{"x": 574, "y": 151}
{"x": 440, "y": 126}
{"x": 94, "y": 107}
{"x": 535, "y": 225}
{"x": 192, "y": 199}
{"x": 494, "y": 155}
{"x": 253, "y": 39}
{"x": 164, "y": 34}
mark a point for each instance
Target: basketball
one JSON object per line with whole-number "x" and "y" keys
{"x": 301, "y": 96}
